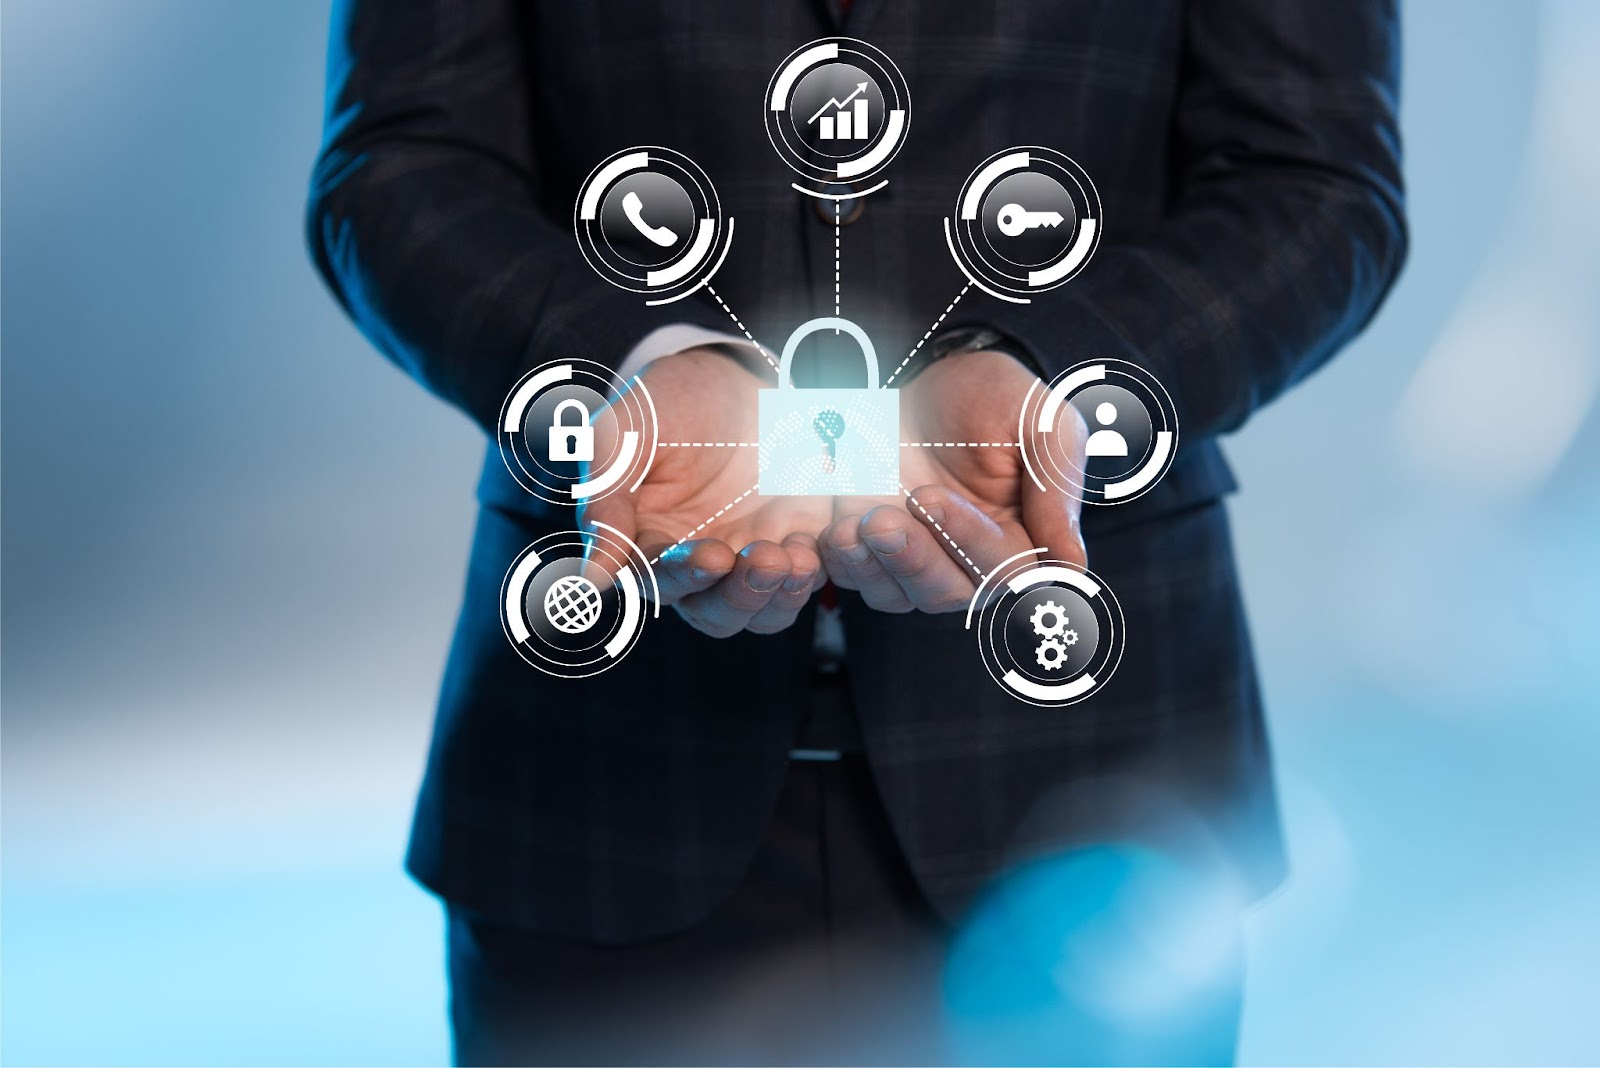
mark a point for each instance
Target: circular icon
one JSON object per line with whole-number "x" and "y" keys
{"x": 648, "y": 220}
{"x": 573, "y": 431}
{"x": 1030, "y": 236}
{"x": 1132, "y": 432}
{"x": 1027, "y": 220}
{"x": 562, "y": 617}
{"x": 833, "y": 109}
{"x": 658, "y": 197}
{"x": 837, "y": 110}
{"x": 1049, "y": 632}
{"x": 1055, "y": 627}
{"x": 1121, "y": 434}
{"x": 572, "y": 604}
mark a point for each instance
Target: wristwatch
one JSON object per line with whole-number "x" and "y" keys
{"x": 972, "y": 339}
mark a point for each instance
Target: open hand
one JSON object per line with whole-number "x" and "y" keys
{"x": 729, "y": 560}
{"x": 969, "y": 507}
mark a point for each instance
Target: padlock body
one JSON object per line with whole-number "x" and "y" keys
{"x": 572, "y": 443}
{"x": 794, "y": 457}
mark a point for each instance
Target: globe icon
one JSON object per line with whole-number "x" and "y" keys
{"x": 572, "y": 604}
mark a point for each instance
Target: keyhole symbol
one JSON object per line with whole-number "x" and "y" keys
{"x": 829, "y": 426}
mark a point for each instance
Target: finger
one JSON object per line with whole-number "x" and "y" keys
{"x": 852, "y": 566}
{"x": 805, "y": 573}
{"x": 725, "y": 608}
{"x": 690, "y": 567}
{"x": 1052, "y": 515}
{"x": 681, "y": 568}
{"x": 616, "y": 511}
{"x": 915, "y": 557}
{"x": 971, "y": 538}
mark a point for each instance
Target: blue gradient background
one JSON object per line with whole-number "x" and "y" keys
{"x": 224, "y": 617}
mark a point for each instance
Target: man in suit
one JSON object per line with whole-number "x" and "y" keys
{"x": 639, "y": 865}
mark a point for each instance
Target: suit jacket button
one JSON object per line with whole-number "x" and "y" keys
{"x": 848, "y": 210}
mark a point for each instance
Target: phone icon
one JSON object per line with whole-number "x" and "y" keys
{"x": 633, "y": 208}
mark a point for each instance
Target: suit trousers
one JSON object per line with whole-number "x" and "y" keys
{"x": 826, "y": 953}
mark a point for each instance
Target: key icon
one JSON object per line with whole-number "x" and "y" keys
{"x": 1014, "y": 219}
{"x": 829, "y": 426}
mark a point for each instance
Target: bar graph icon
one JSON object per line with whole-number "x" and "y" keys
{"x": 836, "y": 110}
{"x": 843, "y": 120}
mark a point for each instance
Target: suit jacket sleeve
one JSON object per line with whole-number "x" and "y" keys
{"x": 425, "y": 215}
{"x": 1286, "y": 226}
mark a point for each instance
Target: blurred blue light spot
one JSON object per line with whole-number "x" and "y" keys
{"x": 1106, "y": 954}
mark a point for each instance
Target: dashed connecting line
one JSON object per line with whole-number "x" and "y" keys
{"x": 960, "y": 444}
{"x": 713, "y": 518}
{"x": 836, "y": 225}
{"x": 959, "y": 551}
{"x": 707, "y": 444}
{"x": 713, "y": 291}
{"x": 929, "y": 334}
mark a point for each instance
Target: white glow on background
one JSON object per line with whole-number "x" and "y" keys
{"x": 1500, "y": 399}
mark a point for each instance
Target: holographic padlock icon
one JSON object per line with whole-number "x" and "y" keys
{"x": 835, "y": 442}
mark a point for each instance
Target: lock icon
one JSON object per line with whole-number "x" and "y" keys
{"x": 839, "y": 442}
{"x": 574, "y": 442}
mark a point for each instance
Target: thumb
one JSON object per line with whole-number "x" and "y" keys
{"x": 1051, "y": 515}
{"x": 615, "y": 510}
{"x": 1051, "y": 519}
{"x": 681, "y": 568}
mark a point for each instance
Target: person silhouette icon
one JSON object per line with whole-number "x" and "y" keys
{"x": 1105, "y": 441}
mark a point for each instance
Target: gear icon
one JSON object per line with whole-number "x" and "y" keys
{"x": 1051, "y": 654}
{"x": 1057, "y": 616}
{"x": 1069, "y": 637}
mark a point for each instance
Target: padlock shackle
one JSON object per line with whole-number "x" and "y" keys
{"x": 831, "y": 322}
{"x": 555, "y": 416}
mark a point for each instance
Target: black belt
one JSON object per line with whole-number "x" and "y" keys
{"x": 830, "y": 728}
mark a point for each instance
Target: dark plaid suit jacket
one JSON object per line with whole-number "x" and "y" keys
{"x": 1247, "y": 155}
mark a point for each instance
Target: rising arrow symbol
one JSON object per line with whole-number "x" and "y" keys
{"x": 838, "y": 103}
